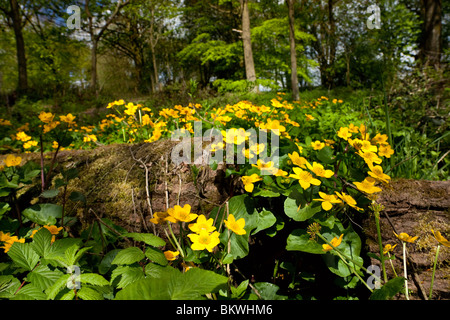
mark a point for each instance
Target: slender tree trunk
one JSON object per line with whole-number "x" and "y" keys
{"x": 294, "y": 76}
{"x": 94, "y": 65}
{"x": 20, "y": 46}
{"x": 247, "y": 42}
{"x": 431, "y": 41}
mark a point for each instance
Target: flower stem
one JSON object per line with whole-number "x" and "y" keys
{"x": 392, "y": 265}
{"x": 175, "y": 239}
{"x": 434, "y": 271}
{"x": 405, "y": 271}
{"x": 377, "y": 221}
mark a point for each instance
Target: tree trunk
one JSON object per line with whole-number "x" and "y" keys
{"x": 94, "y": 65}
{"x": 294, "y": 76}
{"x": 247, "y": 42}
{"x": 20, "y": 46}
{"x": 431, "y": 42}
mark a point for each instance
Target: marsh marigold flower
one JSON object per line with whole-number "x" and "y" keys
{"x": 237, "y": 226}
{"x": 204, "y": 240}
{"x": 297, "y": 160}
{"x": 377, "y": 173}
{"x": 335, "y": 242}
{"x": 437, "y": 235}
{"x": 12, "y": 161}
{"x": 388, "y": 248}
{"x": 249, "y": 181}
{"x": 406, "y": 237}
{"x": 182, "y": 213}
{"x": 202, "y": 224}
{"x": 327, "y": 200}
{"x": 385, "y": 151}
{"x": 367, "y": 186}
{"x": 22, "y": 136}
{"x": 348, "y": 199}
{"x": 319, "y": 170}
{"x": 305, "y": 178}
{"x": 317, "y": 145}
{"x": 344, "y": 133}
{"x": 171, "y": 255}
{"x": 46, "y": 117}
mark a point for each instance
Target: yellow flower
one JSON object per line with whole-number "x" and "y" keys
{"x": 12, "y": 161}
{"x": 327, "y": 200}
{"x": 317, "y": 145}
{"x": 380, "y": 138}
{"x": 388, "y": 248}
{"x": 265, "y": 167}
{"x": 160, "y": 217}
{"x": 50, "y": 126}
{"x": 406, "y": 237}
{"x": 46, "y": 117}
{"x": 171, "y": 255}
{"x": 22, "y": 136}
{"x": 131, "y": 109}
{"x": 356, "y": 143}
{"x": 236, "y": 136}
{"x": 348, "y": 199}
{"x": 8, "y": 241}
{"x": 297, "y": 160}
{"x": 367, "y": 186}
{"x": 29, "y": 144}
{"x": 146, "y": 121}
{"x": 237, "y": 226}
{"x": 281, "y": 173}
{"x": 369, "y": 157}
{"x": 385, "y": 151}
{"x": 249, "y": 181}
{"x": 53, "y": 229}
{"x": 4, "y": 236}
{"x": 368, "y": 147}
{"x": 440, "y": 238}
{"x": 352, "y": 128}
{"x": 304, "y": 178}
{"x": 319, "y": 170}
{"x": 202, "y": 224}
{"x": 182, "y": 213}
{"x": 69, "y": 119}
{"x": 90, "y": 137}
{"x": 377, "y": 173}
{"x": 273, "y": 125}
{"x": 204, "y": 240}
{"x": 309, "y": 117}
{"x": 344, "y": 133}
{"x": 335, "y": 242}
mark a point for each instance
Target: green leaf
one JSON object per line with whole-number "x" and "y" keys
{"x": 268, "y": 291}
{"x": 105, "y": 264}
{"x": 156, "y": 256}
{"x": 43, "y": 214}
{"x": 128, "y": 256}
{"x": 4, "y": 207}
{"x": 127, "y": 275}
{"x": 23, "y": 255}
{"x": 238, "y": 292}
{"x": 8, "y": 286}
{"x": 43, "y": 278}
{"x": 59, "y": 284}
{"x": 299, "y": 240}
{"x": 42, "y": 241}
{"x": 51, "y": 193}
{"x": 266, "y": 219}
{"x": 190, "y": 285}
{"x": 88, "y": 293}
{"x": 147, "y": 238}
{"x": 389, "y": 289}
{"x": 297, "y": 213}
{"x": 94, "y": 279}
{"x": 325, "y": 155}
{"x": 30, "y": 292}
{"x": 77, "y": 196}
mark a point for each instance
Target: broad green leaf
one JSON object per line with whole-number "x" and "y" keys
{"x": 94, "y": 279}
{"x": 325, "y": 155}
{"x": 299, "y": 240}
{"x": 297, "y": 213}
{"x": 4, "y": 207}
{"x": 266, "y": 219}
{"x": 268, "y": 291}
{"x": 8, "y": 286}
{"x": 30, "y": 292}
{"x": 127, "y": 275}
{"x": 43, "y": 214}
{"x": 51, "y": 193}
{"x": 128, "y": 256}
{"x": 147, "y": 238}
{"x": 59, "y": 284}
{"x": 236, "y": 293}
{"x": 389, "y": 289}
{"x": 105, "y": 264}
{"x": 42, "y": 277}
{"x": 156, "y": 256}
{"x": 42, "y": 241}
{"x": 23, "y": 255}
{"x": 88, "y": 293}
{"x": 190, "y": 285}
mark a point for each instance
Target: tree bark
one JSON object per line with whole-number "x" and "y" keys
{"x": 247, "y": 42}
{"x": 20, "y": 46}
{"x": 294, "y": 75}
{"x": 431, "y": 41}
